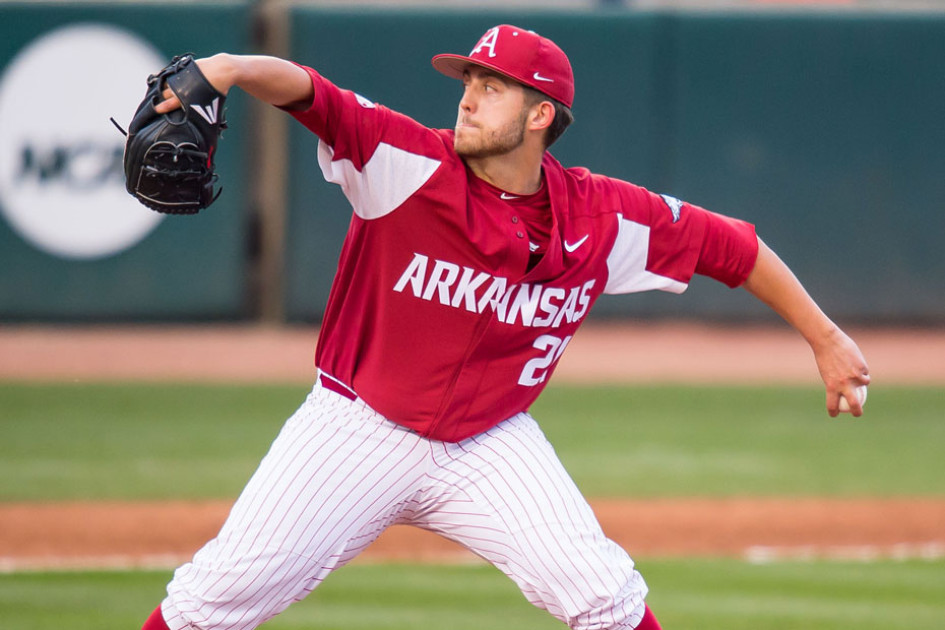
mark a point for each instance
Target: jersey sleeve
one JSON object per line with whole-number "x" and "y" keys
{"x": 662, "y": 242}
{"x": 345, "y": 121}
{"x": 378, "y": 156}
{"x": 729, "y": 249}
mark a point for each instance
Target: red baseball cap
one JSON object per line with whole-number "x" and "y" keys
{"x": 520, "y": 54}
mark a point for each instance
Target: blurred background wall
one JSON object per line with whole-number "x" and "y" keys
{"x": 821, "y": 122}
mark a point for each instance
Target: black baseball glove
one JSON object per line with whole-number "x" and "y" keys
{"x": 168, "y": 158}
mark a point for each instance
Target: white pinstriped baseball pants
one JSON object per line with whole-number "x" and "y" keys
{"x": 338, "y": 474}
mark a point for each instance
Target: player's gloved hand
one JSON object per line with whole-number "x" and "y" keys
{"x": 170, "y": 150}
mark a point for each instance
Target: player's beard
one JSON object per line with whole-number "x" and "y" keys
{"x": 493, "y": 142}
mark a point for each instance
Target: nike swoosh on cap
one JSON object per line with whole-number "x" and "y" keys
{"x": 538, "y": 77}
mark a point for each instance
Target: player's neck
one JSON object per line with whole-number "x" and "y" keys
{"x": 512, "y": 172}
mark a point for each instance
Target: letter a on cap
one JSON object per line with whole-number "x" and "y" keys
{"x": 488, "y": 41}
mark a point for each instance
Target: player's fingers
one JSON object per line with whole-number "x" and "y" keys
{"x": 851, "y": 403}
{"x": 833, "y": 404}
{"x": 836, "y": 395}
{"x": 851, "y": 397}
{"x": 856, "y": 408}
{"x": 169, "y": 104}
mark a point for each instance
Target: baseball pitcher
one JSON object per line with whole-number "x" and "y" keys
{"x": 472, "y": 258}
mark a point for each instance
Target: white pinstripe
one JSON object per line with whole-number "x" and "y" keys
{"x": 339, "y": 474}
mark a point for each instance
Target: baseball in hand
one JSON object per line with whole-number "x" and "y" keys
{"x": 861, "y": 394}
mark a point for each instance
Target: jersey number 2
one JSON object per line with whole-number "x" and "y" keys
{"x": 536, "y": 370}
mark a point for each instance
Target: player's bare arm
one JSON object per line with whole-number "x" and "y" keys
{"x": 269, "y": 79}
{"x": 841, "y": 364}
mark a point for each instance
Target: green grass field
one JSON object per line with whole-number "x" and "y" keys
{"x": 703, "y": 594}
{"x": 93, "y": 441}
{"x": 84, "y": 441}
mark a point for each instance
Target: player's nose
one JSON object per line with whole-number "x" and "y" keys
{"x": 467, "y": 102}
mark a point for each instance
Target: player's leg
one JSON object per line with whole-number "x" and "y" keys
{"x": 649, "y": 621}
{"x": 335, "y": 477}
{"x": 505, "y": 495}
{"x": 155, "y": 621}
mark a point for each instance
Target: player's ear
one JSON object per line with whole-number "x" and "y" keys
{"x": 541, "y": 115}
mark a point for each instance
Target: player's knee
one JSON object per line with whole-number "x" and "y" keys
{"x": 610, "y": 613}
{"x": 210, "y": 605}
{"x": 607, "y": 598}
{"x": 592, "y": 585}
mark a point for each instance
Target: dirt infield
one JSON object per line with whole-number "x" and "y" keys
{"x": 116, "y": 535}
{"x": 164, "y": 534}
{"x": 599, "y": 353}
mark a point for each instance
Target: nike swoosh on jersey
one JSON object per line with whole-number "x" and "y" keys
{"x": 507, "y": 196}
{"x": 571, "y": 247}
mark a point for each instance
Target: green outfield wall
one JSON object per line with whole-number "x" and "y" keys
{"x": 825, "y": 129}
{"x": 73, "y": 244}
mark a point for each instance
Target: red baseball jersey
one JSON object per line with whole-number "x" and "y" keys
{"x": 440, "y": 316}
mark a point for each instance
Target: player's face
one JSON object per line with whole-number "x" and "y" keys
{"x": 492, "y": 115}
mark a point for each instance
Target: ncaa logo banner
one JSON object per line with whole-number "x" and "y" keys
{"x": 61, "y": 174}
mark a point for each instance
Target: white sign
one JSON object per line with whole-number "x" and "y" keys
{"x": 61, "y": 175}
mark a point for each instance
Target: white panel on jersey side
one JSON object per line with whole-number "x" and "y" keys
{"x": 387, "y": 180}
{"x": 626, "y": 263}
